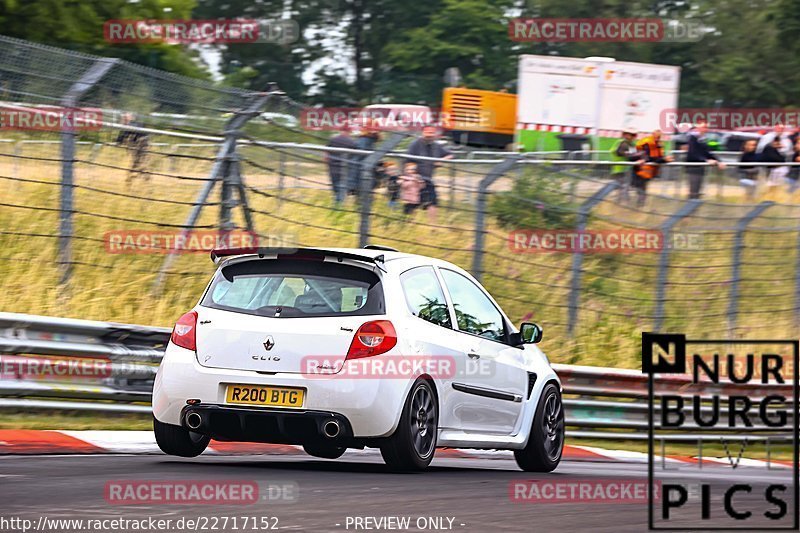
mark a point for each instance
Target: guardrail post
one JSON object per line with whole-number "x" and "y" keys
{"x": 480, "y": 210}
{"x": 577, "y": 256}
{"x": 741, "y": 227}
{"x": 663, "y": 261}
{"x": 366, "y": 178}
{"x": 220, "y": 171}
{"x": 70, "y": 100}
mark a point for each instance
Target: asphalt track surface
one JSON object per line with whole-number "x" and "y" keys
{"x": 474, "y": 493}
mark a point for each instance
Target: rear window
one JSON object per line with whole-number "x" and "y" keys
{"x": 299, "y": 288}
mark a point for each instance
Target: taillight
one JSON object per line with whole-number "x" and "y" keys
{"x": 372, "y": 338}
{"x": 184, "y": 332}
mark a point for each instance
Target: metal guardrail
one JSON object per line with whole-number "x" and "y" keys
{"x": 600, "y": 403}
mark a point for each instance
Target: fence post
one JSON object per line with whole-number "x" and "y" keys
{"x": 663, "y": 261}
{"x": 281, "y": 172}
{"x": 70, "y": 100}
{"x": 577, "y": 256}
{"x": 480, "y": 210}
{"x": 738, "y": 246}
{"x": 452, "y": 184}
{"x": 797, "y": 284}
{"x": 220, "y": 171}
{"x": 366, "y": 178}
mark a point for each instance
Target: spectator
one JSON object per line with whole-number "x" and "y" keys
{"x": 625, "y": 150}
{"x": 392, "y": 182}
{"x": 780, "y": 134}
{"x": 366, "y": 140}
{"x": 772, "y": 154}
{"x": 428, "y": 147}
{"x": 411, "y": 186}
{"x": 653, "y": 157}
{"x": 699, "y": 152}
{"x": 338, "y": 162}
{"x": 139, "y": 143}
{"x": 794, "y": 172}
{"x": 748, "y": 174}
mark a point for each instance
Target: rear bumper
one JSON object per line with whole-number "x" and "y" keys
{"x": 278, "y": 426}
{"x": 371, "y": 406}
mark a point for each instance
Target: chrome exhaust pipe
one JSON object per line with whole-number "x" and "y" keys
{"x": 194, "y": 420}
{"x": 331, "y": 429}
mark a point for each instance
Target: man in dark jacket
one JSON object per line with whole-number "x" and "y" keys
{"x": 138, "y": 142}
{"x": 338, "y": 162}
{"x": 428, "y": 147}
{"x": 699, "y": 152}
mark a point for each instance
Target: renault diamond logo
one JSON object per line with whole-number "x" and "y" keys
{"x": 269, "y": 343}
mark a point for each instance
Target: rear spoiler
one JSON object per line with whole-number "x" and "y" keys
{"x": 297, "y": 253}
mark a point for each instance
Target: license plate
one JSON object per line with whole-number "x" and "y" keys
{"x": 261, "y": 395}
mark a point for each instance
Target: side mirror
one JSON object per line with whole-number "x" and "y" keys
{"x": 530, "y": 333}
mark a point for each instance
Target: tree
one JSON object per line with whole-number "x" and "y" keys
{"x": 78, "y": 25}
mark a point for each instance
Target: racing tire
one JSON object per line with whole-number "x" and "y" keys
{"x": 324, "y": 450}
{"x": 546, "y": 441}
{"x": 413, "y": 444}
{"x": 177, "y": 440}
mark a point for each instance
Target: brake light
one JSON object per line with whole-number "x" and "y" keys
{"x": 372, "y": 338}
{"x": 184, "y": 332}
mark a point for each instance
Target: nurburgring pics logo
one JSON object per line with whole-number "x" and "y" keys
{"x": 562, "y": 30}
{"x": 739, "y": 394}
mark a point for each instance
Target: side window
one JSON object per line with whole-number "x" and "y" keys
{"x": 475, "y": 312}
{"x": 424, "y": 296}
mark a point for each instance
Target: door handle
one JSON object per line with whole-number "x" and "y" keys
{"x": 473, "y": 356}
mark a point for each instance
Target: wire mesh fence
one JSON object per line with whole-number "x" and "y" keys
{"x": 211, "y": 167}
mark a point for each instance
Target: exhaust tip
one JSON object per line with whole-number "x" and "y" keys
{"x": 331, "y": 429}
{"x": 193, "y": 420}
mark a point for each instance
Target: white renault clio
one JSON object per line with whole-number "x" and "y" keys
{"x": 351, "y": 348}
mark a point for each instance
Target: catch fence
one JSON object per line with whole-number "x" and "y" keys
{"x": 724, "y": 265}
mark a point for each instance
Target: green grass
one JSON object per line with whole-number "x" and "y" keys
{"x": 74, "y": 420}
{"x": 616, "y": 303}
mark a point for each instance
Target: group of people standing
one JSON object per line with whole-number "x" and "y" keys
{"x": 412, "y": 186}
{"x": 648, "y": 154}
{"x": 775, "y": 147}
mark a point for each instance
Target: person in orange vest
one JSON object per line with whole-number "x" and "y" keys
{"x": 652, "y": 157}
